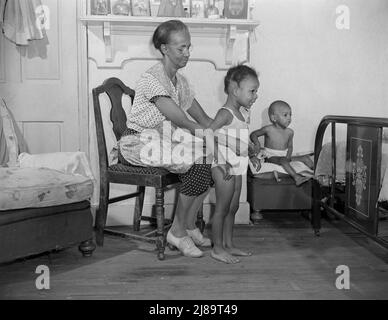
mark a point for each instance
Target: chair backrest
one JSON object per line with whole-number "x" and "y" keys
{"x": 115, "y": 89}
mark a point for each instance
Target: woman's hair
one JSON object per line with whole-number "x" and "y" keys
{"x": 163, "y": 31}
{"x": 238, "y": 74}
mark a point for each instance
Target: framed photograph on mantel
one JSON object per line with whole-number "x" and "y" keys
{"x": 100, "y": 7}
{"x": 236, "y": 9}
{"x": 141, "y": 8}
{"x": 197, "y": 8}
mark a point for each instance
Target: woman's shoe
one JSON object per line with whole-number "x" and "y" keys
{"x": 198, "y": 238}
{"x": 185, "y": 245}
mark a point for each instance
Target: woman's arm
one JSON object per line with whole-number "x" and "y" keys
{"x": 176, "y": 115}
{"x": 199, "y": 114}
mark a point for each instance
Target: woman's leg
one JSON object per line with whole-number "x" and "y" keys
{"x": 229, "y": 221}
{"x": 178, "y": 227}
{"x": 224, "y": 194}
{"x": 191, "y": 215}
{"x": 194, "y": 186}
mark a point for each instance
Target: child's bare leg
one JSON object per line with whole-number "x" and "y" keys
{"x": 305, "y": 159}
{"x": 299, "y": 179}
{"x": 229, "y": 222}
{"x": 224, "y": 194}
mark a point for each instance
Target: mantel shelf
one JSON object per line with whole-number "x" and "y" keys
{"x": 153, "y": 21}
{"x": 230, "y": 25}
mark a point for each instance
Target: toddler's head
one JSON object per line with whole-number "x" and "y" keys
{"x": 279, "y": 113}
{"x": 242, "y": 82}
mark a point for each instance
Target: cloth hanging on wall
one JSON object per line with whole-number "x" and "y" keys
{"x": 21, "y": 20}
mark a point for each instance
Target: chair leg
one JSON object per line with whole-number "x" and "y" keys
{"x": 200, "y": 223}
{"x": 159, "y": 204}
{"x": 101, "y": 213}
{"x": 138, "y": 208}
{"x": 87, "y": 247}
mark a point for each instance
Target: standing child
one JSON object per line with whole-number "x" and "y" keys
{"x": 240, "y": 84}
{"x": 278, "y": 141}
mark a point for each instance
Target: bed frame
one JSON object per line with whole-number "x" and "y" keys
{"x": 356, "y": 201}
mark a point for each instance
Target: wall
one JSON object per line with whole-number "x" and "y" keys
{"x": 304, "y": 59}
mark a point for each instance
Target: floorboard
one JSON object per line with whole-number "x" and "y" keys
{"x": 288, "y": 262}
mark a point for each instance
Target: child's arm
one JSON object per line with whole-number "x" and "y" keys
{"x": 290, "y": 145}
{"x": 255, "y": 138}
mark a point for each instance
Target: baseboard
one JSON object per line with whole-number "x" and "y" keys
{"x": 122, "y": 214}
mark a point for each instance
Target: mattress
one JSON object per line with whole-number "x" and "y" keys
{"x": 41, "y": 187}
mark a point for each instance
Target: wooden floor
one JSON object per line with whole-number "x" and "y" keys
{"x": 289, "y": 262}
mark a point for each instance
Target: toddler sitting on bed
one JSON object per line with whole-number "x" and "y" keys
{"x": 278, "y": 142}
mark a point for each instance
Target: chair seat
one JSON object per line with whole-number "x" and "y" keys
{"x": 138, "y": 170}
{"x": 141, "y": 176}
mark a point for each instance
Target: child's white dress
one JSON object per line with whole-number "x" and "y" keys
{"x": 236, "y": 129}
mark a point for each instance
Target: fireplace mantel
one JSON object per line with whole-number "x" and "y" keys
{"x": 221, "y": 42}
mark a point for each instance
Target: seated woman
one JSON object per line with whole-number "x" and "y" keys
{"x": 163, "y": 95}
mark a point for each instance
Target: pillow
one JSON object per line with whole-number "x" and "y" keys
{"x": 324, "y": 168}
{"x": 75, "y": 163}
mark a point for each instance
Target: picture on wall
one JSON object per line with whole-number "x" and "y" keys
{"x": 100, "y": 7}
{"x": 141, "y": 8}
{"x": 121, "y": 7}
{"x": 197, "y": 8}
{"x": 236, "y": 9}
{"x": 186, "y": 8}
{"x": 155, "y": 4}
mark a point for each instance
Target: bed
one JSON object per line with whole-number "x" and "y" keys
{"x": 351, "y": 174}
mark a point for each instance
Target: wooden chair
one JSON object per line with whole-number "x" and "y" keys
{"x": 142, "y": 177}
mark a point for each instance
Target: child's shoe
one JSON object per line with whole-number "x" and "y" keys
{"x": 198, "y": 238}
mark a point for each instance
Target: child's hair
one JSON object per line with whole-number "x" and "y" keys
{"x": 163, "y": 31}
{"x": 274, "y": 105}
{"x": 238, "y": 74}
